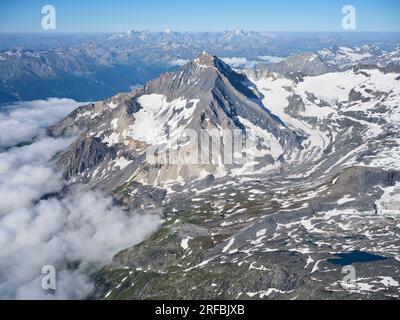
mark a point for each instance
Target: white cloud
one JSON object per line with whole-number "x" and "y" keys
{"x": 242, "y": 62}
{"x": 271, "y": 59}
{"x": 26, "y": 175}
{"x": 24, "y": 120}
{"x": 83, "y": 226}
{"x": 179, "y": 62}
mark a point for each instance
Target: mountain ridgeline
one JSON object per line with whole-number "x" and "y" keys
{"x": 91, "y": 68}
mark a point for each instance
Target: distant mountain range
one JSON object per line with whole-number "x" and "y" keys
{"x": 95, "y": 67}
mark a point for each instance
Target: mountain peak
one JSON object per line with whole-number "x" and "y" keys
{"x": 206, "y": 59}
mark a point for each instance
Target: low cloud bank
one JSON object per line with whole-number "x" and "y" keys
{"x": 242, "y": 62}
{"x": 26, "y": 174}
{"x": 179, "y": 62}
{"x": 22, "y": 121}
{"x": 84, "y": 226}
{"x": 271, "y": 59}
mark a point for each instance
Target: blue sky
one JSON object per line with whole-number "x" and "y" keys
{"x": 198, "y": 15}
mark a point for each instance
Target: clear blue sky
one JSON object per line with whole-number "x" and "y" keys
{"x": 199, "y": 15}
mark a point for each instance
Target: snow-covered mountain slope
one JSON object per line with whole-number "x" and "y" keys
{"x": 309, "y": 64}
{"x": 348, "y": 117}
{"x": 341, "y": 58}
{"x": 334, "y": 59}
{"x": 344, "y": 58}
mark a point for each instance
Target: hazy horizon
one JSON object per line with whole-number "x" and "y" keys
{"x": 156, "y": 15}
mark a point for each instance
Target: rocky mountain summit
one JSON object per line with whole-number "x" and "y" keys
{"x": 314, "y": 187}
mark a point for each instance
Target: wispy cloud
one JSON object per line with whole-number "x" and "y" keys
{"x": 241, "y": 62}
{"x": 22, "y": 121}
{"x": 179, "y": 62}
{"x": 271, "y": 59}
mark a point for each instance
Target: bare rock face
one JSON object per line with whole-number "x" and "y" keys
{"x": 83, "y": 155}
